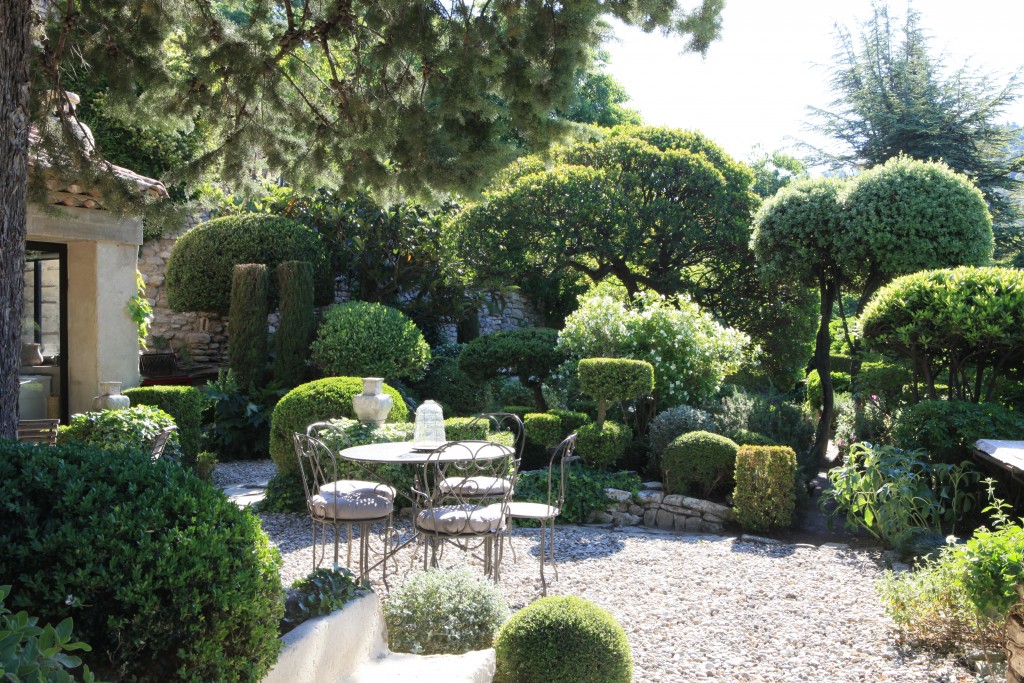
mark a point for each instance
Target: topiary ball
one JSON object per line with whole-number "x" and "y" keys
{"x": 602, "y": 445}
{"x": 698, "y": 462}
{"x": 201, "y": 261}
{"x": 165, "y": 578}
{"x": 562, "y": 639}
{"x": 323, "y": 399}
{"x": 364, "y": 339}
{"x": 444, "y": 611}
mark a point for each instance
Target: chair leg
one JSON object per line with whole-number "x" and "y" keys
{"x": 543, "y": 581}
{"x": 551, "y": 546}
{"x": 313, "y": 524}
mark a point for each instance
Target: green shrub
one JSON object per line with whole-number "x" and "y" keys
{"x": 296, "y": 325}
{"x": 238, "y": 422}
{"x": 528, "y": 353}
{"x": 321, "y": 592}
{"x": 361, "y": 339}
{"x": 133, "y": 428}
{"x": 840, "y": 362}
{"x": 184, "y": 404}
{"x": 745, "y": 437}
{"x": 883, "y": 379}
{"x": 247, "y": 325}
{"x": 895, "y": 494}
{"x": 602, "y": 445}
{"x": 571, "y": 419}
{"x": 812, "y": 389}
{"x": 199, "y": 268}
{"x": 562, "y": 639}
{"x": 445, "y": 383}
{"x": 322, "y": 399}
{"x": 765, "y": 495}
{"x": 668, "y": 424}
{"x": 584, "y": 489}
{"x": 509, "y": 391}
{"x": 544, "y": 429}
{"x": 607, "y": 380}
{"x": 521, "y": 411}
{"x": 37, "y": 653}
{"x": 698, "y": 462}
{"x": 444, "y": 611}
{"x": 465, "y": 429}
{"x": 865, "y": 420}
{"x": 165, "y": 577}
{"x": 947, "y": 430}
{"x": 206, "y": 463}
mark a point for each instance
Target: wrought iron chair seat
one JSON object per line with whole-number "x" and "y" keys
{"x": 354, "y": 506}
{"x": 357, "y": 486}
{"x": 38, "y": 431}
{"x": 518, "y": 509}
{"x": 476, "y": 487}
{"x": 461, "y": 520}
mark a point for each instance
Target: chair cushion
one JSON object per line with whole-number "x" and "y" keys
{"x": 345, "y": 486}
{"x": 520, "y": 510}
{"x": 354, "y": 506}
{"x": 476, "y": 487}
{"x": 461, "y": 519}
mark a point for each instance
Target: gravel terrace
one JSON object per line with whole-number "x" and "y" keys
{"x": 695, "y": 607}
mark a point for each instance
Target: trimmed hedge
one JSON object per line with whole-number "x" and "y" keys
{"x": 765, "y": 494}
{"x": 184, "y": 404}
{"x": 544, "y": 429}
{"x": 134, "y": 428}
{"x": 745, "y": 437}
{"x": 615, "y": 379}
{"x": 322, "y": 399}
{"x": 698, "y": 462}
{"x": 362, "y": 339}
{"x": 562, "y": 639}
{"x": 466, "y": 429}
{"x": 165, "y": 578}
{"x": 297, "y": 323}
{"x": 199, "y": 268}
{"x": 571, "y": 419}
{"x": 947, "y": 430}
{"x": 247, "y": 325}
{"x": 602, "y": 445}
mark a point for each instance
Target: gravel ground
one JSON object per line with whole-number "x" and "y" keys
{"x": 699, "y": 607}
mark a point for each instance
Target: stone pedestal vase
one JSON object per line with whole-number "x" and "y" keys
{"x": 31, "y": 353}
{"x": 373, "y": 405}
{"x": 110, "y": 397}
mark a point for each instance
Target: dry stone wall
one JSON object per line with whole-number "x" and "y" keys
{"x": 651, "y": 507}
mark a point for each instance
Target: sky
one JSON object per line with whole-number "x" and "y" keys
{"x": 756, "y": 82}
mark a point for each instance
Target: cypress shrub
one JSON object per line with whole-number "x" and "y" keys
{"x": 765, "y": 494}
{"x": 296, "y": 326}
{"x": 184, "y": 404}
{"x": 247, "y": 328}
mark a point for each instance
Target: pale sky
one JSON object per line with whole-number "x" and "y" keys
{"x": 771, "y": 63}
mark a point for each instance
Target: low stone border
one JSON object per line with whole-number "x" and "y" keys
{"x": 673, "y": 512}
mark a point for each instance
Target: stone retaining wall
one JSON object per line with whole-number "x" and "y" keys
{"x": 651, "y": 507}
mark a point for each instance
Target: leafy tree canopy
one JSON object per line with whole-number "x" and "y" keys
{"x": 893, "y": 97}
{"x": 598, "y": 98}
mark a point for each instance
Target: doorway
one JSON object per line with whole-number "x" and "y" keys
{"x": 44, "y": 333}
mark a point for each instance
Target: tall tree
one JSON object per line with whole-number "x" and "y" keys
{"x": 894, "y": 96}
{"x": 420, "y": 96}
{"x": 599, "y": 98}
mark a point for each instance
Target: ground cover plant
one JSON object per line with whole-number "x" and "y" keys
{"x": 133, "y": 428}
{"x": 321, "y": 592}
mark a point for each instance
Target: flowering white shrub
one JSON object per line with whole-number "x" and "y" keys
{"x": 690, "y": 351}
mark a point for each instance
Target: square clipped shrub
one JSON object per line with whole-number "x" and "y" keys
{"x": 544, "y": 429}
{"x": 184, "y": 404}
{"x": 765, "y": 494}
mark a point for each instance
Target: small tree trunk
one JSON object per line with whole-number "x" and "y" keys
{"x": 538, "y": 396}
{"x": 15, "y": 21}
{"x": 823, "y": 364}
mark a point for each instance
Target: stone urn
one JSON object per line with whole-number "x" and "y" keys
{"x": 31, "y": 353}
{"x": 110, "y": 397}
{"x": 373, "y": 405}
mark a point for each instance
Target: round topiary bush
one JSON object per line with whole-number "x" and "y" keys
{"x": 199, "y": 268}
{"x": 133, "y": 427}
{"x": 322, "y": 399}
{"x": 444, "y": 611}
{"x": 602, "y": 445}
{"x": 164, "y": 577}
{"x": 562, "y": 639}
{"x": 745, "y": 437}
{"x": 698, "y": 462}
{"x": 369, "y": 340}
{"x": 670, "y": 423}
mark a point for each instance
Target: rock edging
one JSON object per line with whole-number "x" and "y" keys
{"x": 671, "y": 512}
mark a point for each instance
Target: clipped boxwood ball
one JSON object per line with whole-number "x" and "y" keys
{"x": 165, "y": 578}
{"x": 601, "y": 445}
{"x": 323, "y": 399}
{"x": 698, "y": 462}
{"x": 201, "y": 262}
{"x": 364, "y": 339}
{"x": 562, "y": 639}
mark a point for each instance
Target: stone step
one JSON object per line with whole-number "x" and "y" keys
{"x": 472, "y": 667}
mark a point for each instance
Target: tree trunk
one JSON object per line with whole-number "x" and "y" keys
{"x": 15, "y": 20}
{"x": 823, "y": 364}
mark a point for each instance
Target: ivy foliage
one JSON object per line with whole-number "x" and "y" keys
{"x": 200, "y": 265}
{"x": 964, "y": 325}
{"x": 133, "y": 427}
{"x": 584, "y": 489}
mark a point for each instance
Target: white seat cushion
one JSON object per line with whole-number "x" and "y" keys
{"x": 520, "y": 510}
{"x": 476, "y": 487}
{"x": 461, "y": 519}
{"x": 354, "y": 506}
{"x": 346, "y": 486}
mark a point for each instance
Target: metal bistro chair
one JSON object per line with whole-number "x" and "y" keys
{"x": 38, "y": 431}
{"x": 341, "y": 502}
{"x": 562, "y": 458}
{"x": 159, "y": 442}
{"x": 466, "y": 483}
{"x": 451, "y": 515}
